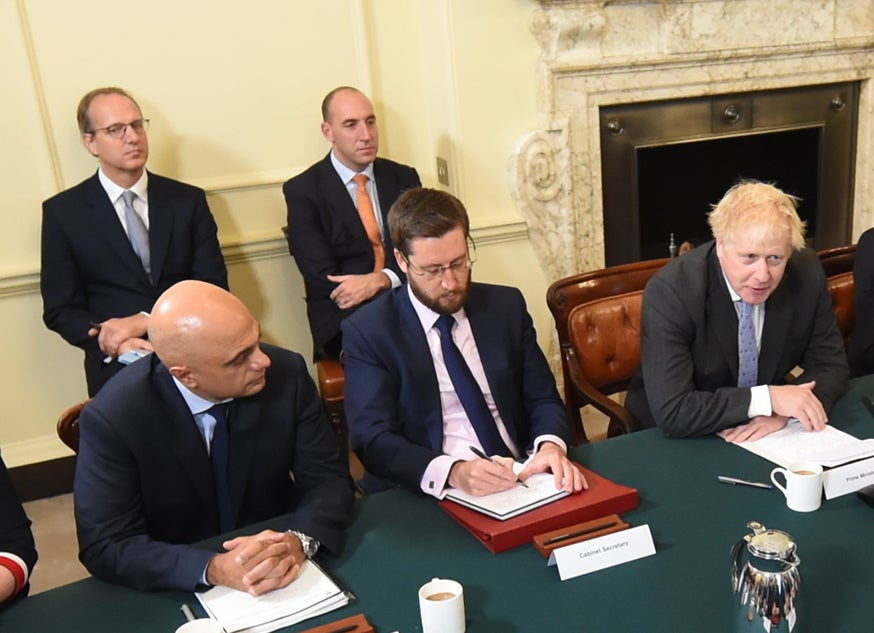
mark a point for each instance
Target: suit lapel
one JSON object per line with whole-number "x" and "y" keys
{"x": 721, "y": 313}
{"x": 188, "y": 443}
{"x": 101, "y": 218}
{"x": 421, "y": 368}
{"x": 489, "y": 343}
{"x": 244, "y": 419}
{"x": 160, "y": 224}
{"x": 339, "y": 201}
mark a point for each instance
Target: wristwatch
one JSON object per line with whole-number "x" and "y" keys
{"x": 309, "y": 545}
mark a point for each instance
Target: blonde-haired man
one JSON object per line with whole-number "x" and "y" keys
{"x": 726, "y": 323}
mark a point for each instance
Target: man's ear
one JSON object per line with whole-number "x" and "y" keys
{"x": 88, "y": 142}
{"x": 402, "y": 263}
{"x": 326, "y": 132}
{"x": 183, "y": 375}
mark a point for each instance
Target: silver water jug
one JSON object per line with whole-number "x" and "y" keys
{"x": 766, "y": 581}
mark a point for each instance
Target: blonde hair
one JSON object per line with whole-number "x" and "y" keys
{"x": 761, "y": 210}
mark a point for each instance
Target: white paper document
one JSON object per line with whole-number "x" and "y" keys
{"x": 312, "y": 593}
{"x": 829, "y": 447}
{"x": 515, "y": 501}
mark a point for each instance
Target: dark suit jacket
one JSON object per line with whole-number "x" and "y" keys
{"x": 686, "y": 383}
{"x": 861, "y": 348}
{"x": 15, "y": 535}
{"x": 144, "y": 487}
{"x": 90, "y": 272}
{"x": 392, "y": 399}
{"x": 327, "y": 237}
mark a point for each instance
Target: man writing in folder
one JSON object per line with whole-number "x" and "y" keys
{"x": 442, "y": 364}
{"x": 213, "y": 432}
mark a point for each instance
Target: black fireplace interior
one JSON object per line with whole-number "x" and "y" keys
{"x": 677, "y": 183}
{"x": 663, "y": 164}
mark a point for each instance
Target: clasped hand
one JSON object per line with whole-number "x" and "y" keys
{"x": 354, "y": 289}
{"x": 118, "y": 335}
{"x": 257, "y": 564}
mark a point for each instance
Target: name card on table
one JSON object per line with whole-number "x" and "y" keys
{"x": 846, "y": 479}
{"x": 602, "y": 552}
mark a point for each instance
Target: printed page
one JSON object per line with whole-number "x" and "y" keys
{"x": 829, "y": 447}
{"x": 312, "y": 593}
{"x": 513, "y": 502}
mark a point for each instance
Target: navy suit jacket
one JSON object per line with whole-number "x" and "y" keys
{"x": 327, "y": 237}
{"x": 687, "y": 380}
{"x": 144, "y": 489}
{"x": 90, "y": 272}
{"x": 392, "y": 399}
{"x": 15, "y": 535}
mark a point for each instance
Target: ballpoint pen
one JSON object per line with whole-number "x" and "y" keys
{"x": 570, "y": 535}
{"x": 482, "y": 455}
{"x": 743, "y": 482}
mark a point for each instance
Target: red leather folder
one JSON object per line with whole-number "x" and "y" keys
{"x": 602, "y": 498}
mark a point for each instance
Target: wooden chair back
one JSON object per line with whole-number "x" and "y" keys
{"x": 563, "y": 296}
{"x": 68, "y": 426}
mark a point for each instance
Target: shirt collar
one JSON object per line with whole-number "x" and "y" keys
{"x": 140, "y": 187}
{"x": 346, "y": 174}
{"x": 426, "y": 315}
{"x": 196, "y": 404}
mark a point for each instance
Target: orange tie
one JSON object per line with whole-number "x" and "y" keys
{"x": 368, "y": 219}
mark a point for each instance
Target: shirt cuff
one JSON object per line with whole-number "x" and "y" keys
{"x": 760, "y": 401}
{"x": 540, "y": 439}
{"x": 18, "y": 568}
{"x": 435, "y": 481}
{"x": 392, "y": 277}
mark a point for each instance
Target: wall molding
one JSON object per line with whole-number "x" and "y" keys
{"x": 268, "y": 246}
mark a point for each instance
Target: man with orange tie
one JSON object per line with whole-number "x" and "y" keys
{"x": 337, "y": 212}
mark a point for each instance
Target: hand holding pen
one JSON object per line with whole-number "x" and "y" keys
{"x": 482, "y": 455}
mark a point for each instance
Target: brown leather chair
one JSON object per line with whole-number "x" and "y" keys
{"x": 842, "y": 290}
{"x": 836, "y": 261}
{"x": 68, "y": 426}
{"x": 563, "y": 297}
{"x": 331, "y": 384}
{"x": 603, "y": 353}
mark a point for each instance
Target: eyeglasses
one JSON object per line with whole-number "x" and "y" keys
{"x": 459, "y": 266}
{"x": 118, "y": 130}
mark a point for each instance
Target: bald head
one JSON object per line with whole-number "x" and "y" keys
{"x": 208, "y": 340}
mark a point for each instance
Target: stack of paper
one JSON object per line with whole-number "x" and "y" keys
{"x": 312, "y": 593}
{"x": 829, "y": 447}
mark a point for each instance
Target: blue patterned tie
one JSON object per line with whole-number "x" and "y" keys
{"x": 468, "y": 391}
{"x": 747, "y": 351}
{"x": 137, "y": 232}
{"x": 218, "y": 454}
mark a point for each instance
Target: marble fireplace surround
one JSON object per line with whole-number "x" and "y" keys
{"x": 604, "y": 53}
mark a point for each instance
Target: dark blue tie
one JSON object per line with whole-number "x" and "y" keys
{"x": 747, "y": 349}
{"x": 469, "y": 392}
{"x": 218, "y": 453}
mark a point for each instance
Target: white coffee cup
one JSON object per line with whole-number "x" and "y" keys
{"x": 201, "y": 625}
{"x": 441, "y": 603}
{"x": 803, "y": 489}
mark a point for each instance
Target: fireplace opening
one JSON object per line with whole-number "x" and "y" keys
{"x": 664, "y": 163}
{"x": 674, "y": 180}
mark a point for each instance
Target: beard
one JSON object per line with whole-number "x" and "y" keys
{"x": 441, "y": 301}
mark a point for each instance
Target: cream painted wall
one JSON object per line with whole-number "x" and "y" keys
{"x": 233, "y": 92}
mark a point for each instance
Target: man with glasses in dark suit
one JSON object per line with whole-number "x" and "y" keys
{"x": 442, "y": 364}
{"x": 114, "y": 242}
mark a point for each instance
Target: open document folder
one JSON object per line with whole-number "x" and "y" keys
{"x": 312, "y": 593}
{"x": 829, "y": 447}
{"x": 515, "y": 501}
